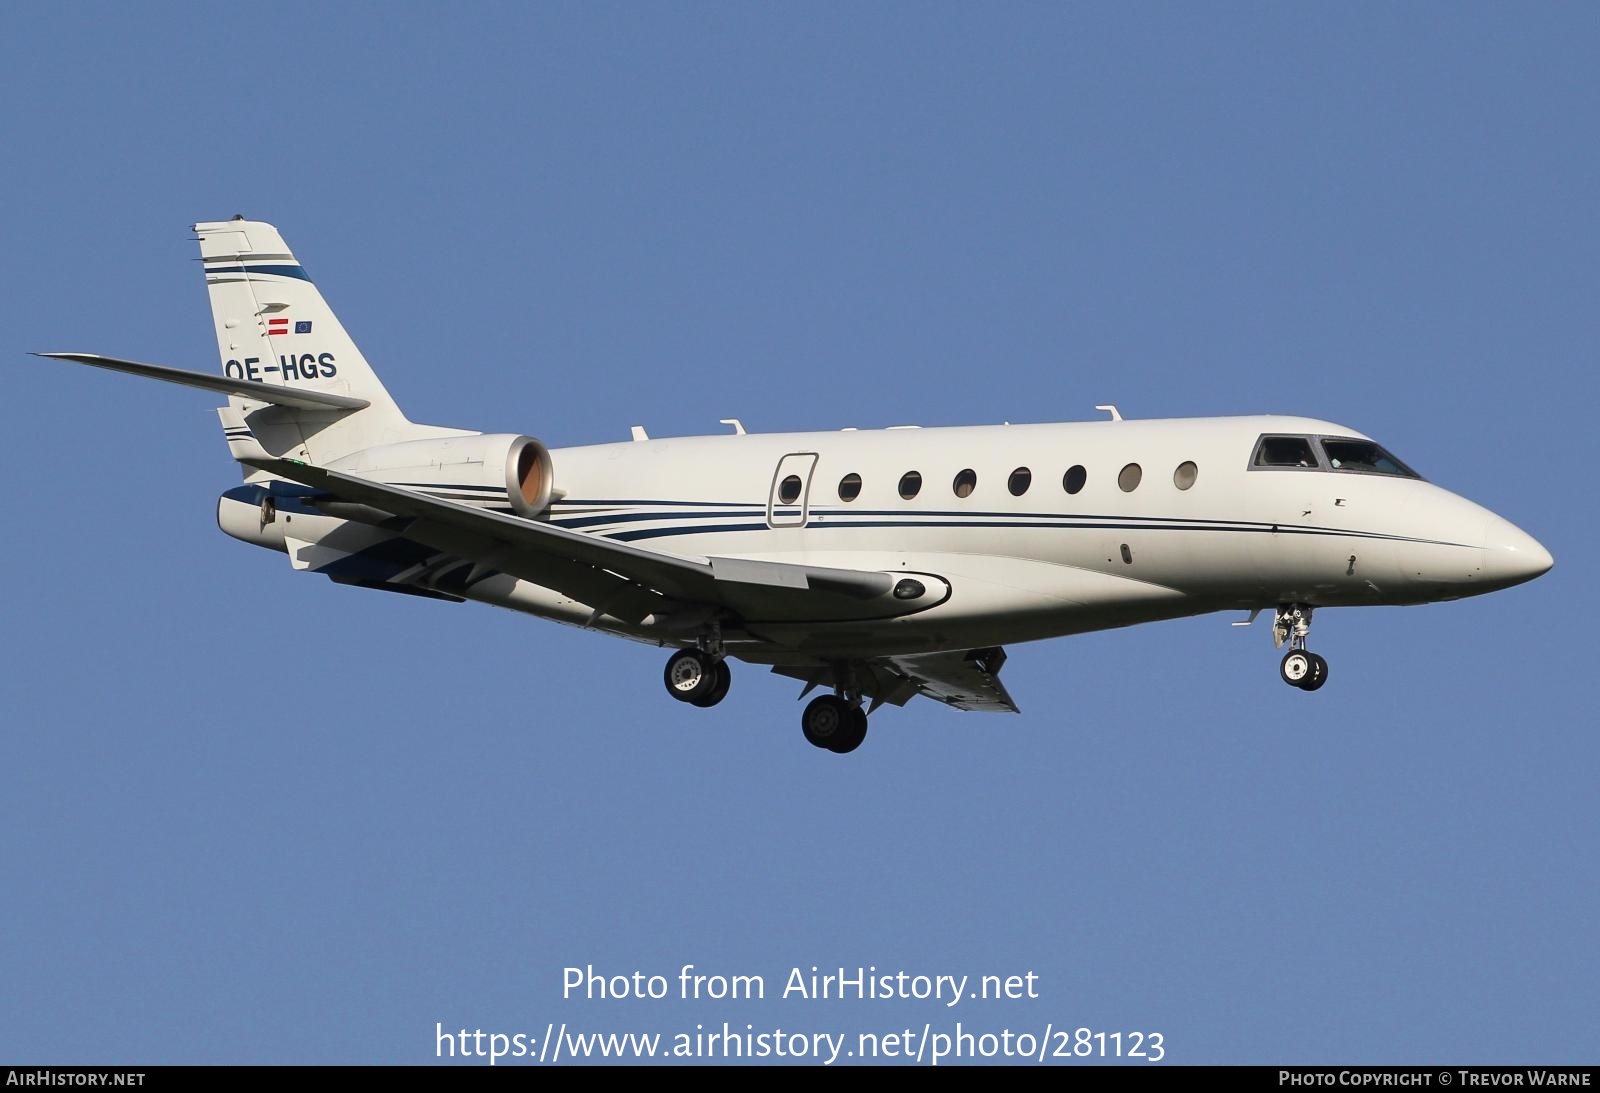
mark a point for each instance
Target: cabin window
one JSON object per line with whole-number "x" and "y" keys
{"x": 910, "y": 484}
{"x": 1128, "y": 479}
{"x": 966, "y": 481}
{"x": 1284, "y": 451}
{"x": 850, "y": 487}
{"x": 789, "y": 489}
{"x": 1020, "y": 480}
{"x": 1185, "y": 475}
{"x": 1074, "y": 479}
{"x": 1364, "y": 457}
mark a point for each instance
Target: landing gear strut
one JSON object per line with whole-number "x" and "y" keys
{"x": 1300, "y": 666}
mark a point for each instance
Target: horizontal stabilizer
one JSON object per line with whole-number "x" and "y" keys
{"x": 274, "y": 393}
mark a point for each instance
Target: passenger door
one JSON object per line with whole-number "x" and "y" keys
{"x": 788, "y": 500}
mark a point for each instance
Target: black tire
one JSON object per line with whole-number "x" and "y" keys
{"x": 825, "y": 720}
{"x": 690, "y": 675}
{"x": 854, "y": 732}
{"x": 719, "y": 688}
{"x": 1296, "y": 667}
{"x": 1319, "y": 673}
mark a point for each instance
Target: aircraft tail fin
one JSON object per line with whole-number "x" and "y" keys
{"x": 274, "y": 327}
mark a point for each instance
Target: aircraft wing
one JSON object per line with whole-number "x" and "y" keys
{"x": 968, "y": 679}
{"x": 615, "y": 578}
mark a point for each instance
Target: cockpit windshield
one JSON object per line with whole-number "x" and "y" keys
{"x": 1364, "y": 456}
{"x": 1326, "y": 453}
{"x": 1285, "y": 451}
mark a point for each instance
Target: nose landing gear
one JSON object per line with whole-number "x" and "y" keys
{"x": 1300, "y": 667}
{"x": 1303, "y": 669}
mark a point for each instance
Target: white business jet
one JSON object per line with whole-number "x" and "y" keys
{"x": 878, "y": 565}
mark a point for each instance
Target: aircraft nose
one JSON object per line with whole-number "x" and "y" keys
{"x": 1512, "y": 556}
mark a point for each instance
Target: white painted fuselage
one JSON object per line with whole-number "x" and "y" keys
{"x": 880, "y": 564}
{"x": 1010, "y": 567}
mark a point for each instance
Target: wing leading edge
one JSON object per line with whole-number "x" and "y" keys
{"x": 615, "y": 578}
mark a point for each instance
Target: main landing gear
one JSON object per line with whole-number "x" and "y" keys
{"x": 834, "y": 723}
{"x": 1300, "y": 667}
{"x": 700, "y": 677}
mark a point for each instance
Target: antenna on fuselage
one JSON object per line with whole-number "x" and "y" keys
{"x": 738, "y": 429}
{"x": 1112, "y": 410}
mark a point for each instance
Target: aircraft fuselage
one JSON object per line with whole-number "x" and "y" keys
{"x": 1166, "y": 518}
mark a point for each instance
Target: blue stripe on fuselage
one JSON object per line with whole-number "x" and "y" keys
{"x": 1080, "y": 525}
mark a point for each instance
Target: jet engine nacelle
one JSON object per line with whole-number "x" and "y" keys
{"x": 490, "y": 469}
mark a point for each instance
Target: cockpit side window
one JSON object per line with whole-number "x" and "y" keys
{"x": 1364, "y": 457}
{"x": 1284, "y": 451}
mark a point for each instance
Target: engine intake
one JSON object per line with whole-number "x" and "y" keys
{"x": 490, "y": 470}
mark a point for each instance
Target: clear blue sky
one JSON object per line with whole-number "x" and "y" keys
{"x": 252, "y": 817}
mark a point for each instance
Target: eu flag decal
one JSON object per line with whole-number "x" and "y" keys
{"x": 303, "y": 327}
